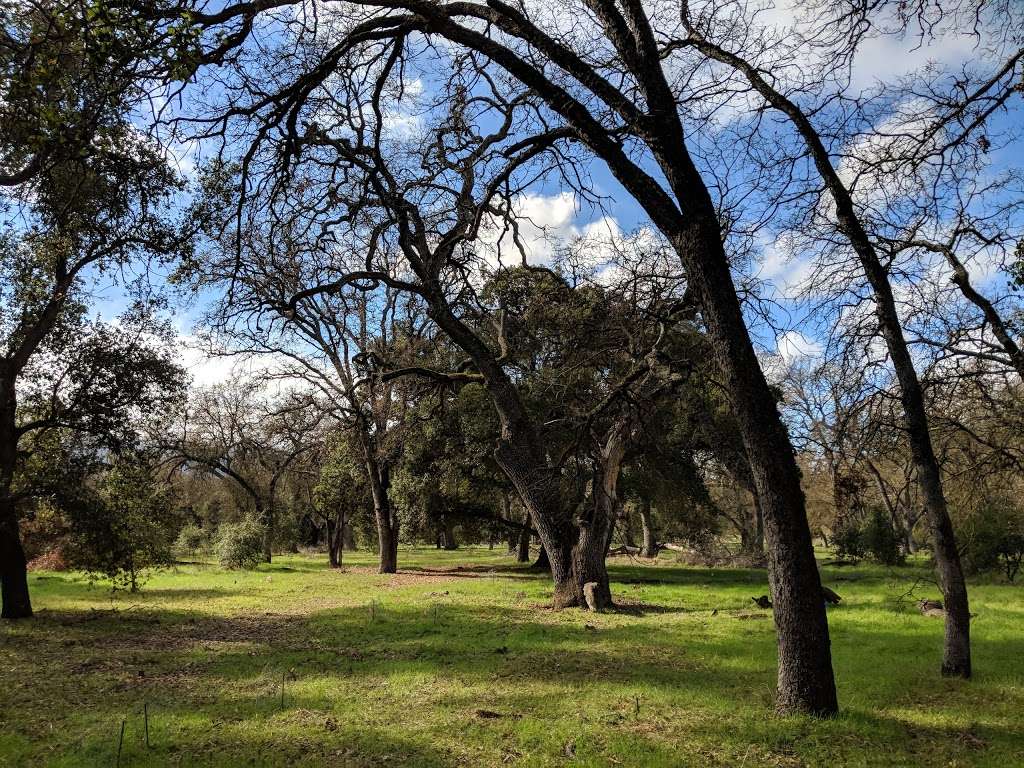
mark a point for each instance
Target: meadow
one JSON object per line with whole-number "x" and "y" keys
{"x": 457, "y": 661}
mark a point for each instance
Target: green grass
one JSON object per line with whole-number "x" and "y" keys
{"x": 405, "y": 670}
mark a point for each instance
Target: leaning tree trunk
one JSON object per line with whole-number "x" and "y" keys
{"x": 650, "y": 545}
{"x": 805, "y": 679}
{"x": 957, "y": 649}
{"x": 520, "y": 454}
{"x": 539, "y": 490}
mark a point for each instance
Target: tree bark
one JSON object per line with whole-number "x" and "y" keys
{"x": 650, "y": 545}
{"x": 335, "y": 540}
{"x": 589, "y": 554}
{"x": 17, "y": 603}
{"x": 956, "y": 659}
{"x": 266, "y": 516}
{"x": 448, "y": 530}
{"x": 523, "y": 553}
{"x": 520, "y": 454}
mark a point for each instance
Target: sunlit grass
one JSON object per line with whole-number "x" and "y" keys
{"x": 467, "y": 666}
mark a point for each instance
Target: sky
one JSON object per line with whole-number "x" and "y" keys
{"x": 551, "y": 216}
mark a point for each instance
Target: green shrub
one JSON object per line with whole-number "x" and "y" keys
{"x": 875, "y": 538}
{"x": 848, "y": 541}
{"x": 240, "y": 545}
{"x": 191, "y": 540}
{"x": 992, "y": 536}
{"x": 881, "y": 541}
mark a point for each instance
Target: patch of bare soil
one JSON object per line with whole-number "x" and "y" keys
{"x": 407, "y": 578}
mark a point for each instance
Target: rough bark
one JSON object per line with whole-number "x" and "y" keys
{"x": 589, "y": 553}
{"x": 956, "y": 659}
{"x": 336, "y": 540}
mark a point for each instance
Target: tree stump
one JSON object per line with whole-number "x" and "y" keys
{"x": 593, "y": 596}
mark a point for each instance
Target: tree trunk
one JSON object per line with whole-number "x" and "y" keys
{"x": 335, "y": 540}
{"x": 758, "y": 526}
{"x": 542, "y": 563}
{"x": 520, "y": 454}
{"x": 589, "y": 555}
{"x": 450, "y": 542}
{"x": 13, "y": 574}
{"x": 539, "y": 490}
{"x": 266, "y": 516}
{"x": 650, "y": 545}
{"x": 957, "y": 650}
{"x": 523, "y": 553}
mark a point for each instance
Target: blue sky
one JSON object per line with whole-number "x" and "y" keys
{"x": 563, "y": 217}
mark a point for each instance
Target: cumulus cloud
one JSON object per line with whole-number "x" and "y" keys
{"x": 542, "y": 224}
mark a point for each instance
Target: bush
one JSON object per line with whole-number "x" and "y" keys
{"x": 121, "y": 525}
{"x": 191, "y": 540}
{"x": 240, "y": 545}
{"x": 875, "y": 538}
{"x": 881, "y": 540}
{"x": 993, "y": 538}
{"x": 848, "y": 541}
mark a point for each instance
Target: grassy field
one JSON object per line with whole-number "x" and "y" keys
{"x": 456, "y": 661}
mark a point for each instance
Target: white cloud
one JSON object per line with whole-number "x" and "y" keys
{"x": 543, "y": 223}
{"x": 793, "y": 346}
{"x": 785, "y": 272}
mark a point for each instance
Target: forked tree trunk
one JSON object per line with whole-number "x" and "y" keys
{"x": 650, "y": 545}
{"x": 335, "y": 540}
{"x": 589, "y": 554}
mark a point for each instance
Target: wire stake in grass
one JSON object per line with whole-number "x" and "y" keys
{"x": 120, "y": 743}
{"x": 636, "y": 698}
{"x": 284, "y": 675}
{"x": 145, "y": 716}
